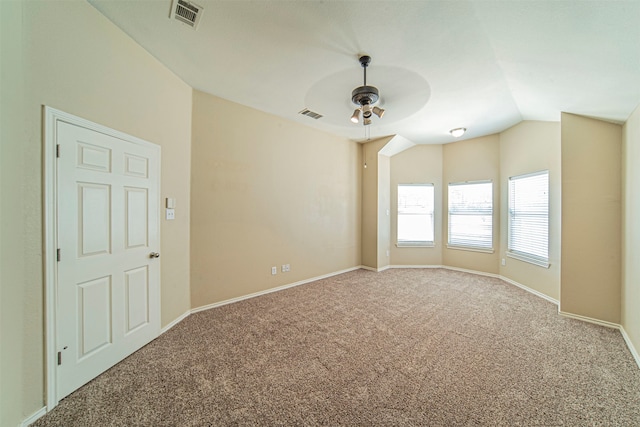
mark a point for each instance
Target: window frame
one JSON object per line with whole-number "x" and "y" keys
{"x": 416, "y": 243}
{"x": 523, "y": 255}
{"x": 470, "y": 247}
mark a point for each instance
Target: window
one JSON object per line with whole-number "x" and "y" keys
{"x": 415, "y": 214}
{"x": 471, "y": 216}
{"x": 529, "y": 218}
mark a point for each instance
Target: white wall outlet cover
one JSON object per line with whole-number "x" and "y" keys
{"x": 171, "y": 214}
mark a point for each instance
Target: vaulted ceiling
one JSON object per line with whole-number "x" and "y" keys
{"x": 482, "y": 65}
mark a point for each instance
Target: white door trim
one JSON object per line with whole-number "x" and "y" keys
{"x": 51, "y": 117}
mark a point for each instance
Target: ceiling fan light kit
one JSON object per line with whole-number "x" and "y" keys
{"x": 355, "y": 118}
{"x": 365, "y": 96}
{"x": 378, "y": 112}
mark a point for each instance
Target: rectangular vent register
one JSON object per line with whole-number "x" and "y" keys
{"x": 186, "y": 12}
{"x": 309, "y": 113}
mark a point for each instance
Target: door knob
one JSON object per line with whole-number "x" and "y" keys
{"x": 154, "y": 255}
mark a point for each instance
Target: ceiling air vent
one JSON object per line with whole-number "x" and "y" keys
{"x": 186, "y": 12}
{"x": 312, "y": 114}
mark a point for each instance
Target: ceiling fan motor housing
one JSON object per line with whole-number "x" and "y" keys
{"x": 363, "y": 95}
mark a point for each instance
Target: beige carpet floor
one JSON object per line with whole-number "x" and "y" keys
{"x": 407, "y": 347}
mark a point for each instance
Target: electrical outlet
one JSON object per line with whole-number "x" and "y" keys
{"x": 504, "y": 261}
{"x": 287, "y": 267}
{"x": 274, "y": 270}
{"x": 171, "y": 214}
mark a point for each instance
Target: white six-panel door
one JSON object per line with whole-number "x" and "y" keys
{"x": 108, "y": 294}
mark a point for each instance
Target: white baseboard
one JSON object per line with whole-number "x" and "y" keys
{"x": 589, "y": 320}
{"x": 446, "y": 267}
{"x": 530, "y": 290}
{"x": 632, "y": 348}
{"x": 34, "y": 417}
{"x": 377, "y": 270}
{"x": 509, "y": 281}
{"x": 253, "y": 295}
{"x": 482, "y": 273}
{"x": 363, "y": 267}
{"x": 477, "y": 273}
{"x": 416, "y": 266}
{"x": 175, "y": 321}
{"x": 270, "y": 290}
{"x": 627, "y": 339}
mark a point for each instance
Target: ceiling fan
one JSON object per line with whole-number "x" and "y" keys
{"x": 365, "y": 96}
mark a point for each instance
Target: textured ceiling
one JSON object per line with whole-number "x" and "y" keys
{"x": 483, "y": 65}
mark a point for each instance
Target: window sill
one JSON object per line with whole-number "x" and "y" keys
{"x": 531, "y": 260}
{"x": 471, "y": 249}
{"x": 415, "y": 245}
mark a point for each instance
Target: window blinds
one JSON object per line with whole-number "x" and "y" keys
{"x": 529, "y": 217}
{"x": 415, "y": 214}
{"x": 471, "y": 215}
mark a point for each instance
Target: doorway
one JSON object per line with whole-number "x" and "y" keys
{"x": 102, "y": 241}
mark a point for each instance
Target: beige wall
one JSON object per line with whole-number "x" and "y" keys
{"x": 527, "y": 147}
{"x": 266, "y": 192}
{"x": 13, "y": 226}
{"x": 591, "y": 218}
{"x": 421, "y": 164}
{"x": 475, "y": 159}
{"x": 630, "y": 316}
{"x": 384, "y": 210}
{"x": 68, "y": 56}
{"x": 370, "y": 204}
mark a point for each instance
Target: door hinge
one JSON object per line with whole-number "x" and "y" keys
{"x": 58, "y": 254}
{"x": 58, "y": 150}
{"x": 59, "y": 358}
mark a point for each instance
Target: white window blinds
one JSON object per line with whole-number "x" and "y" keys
{"x": 471, "y": 215}
{"x": 415, "y": 214}
{"x": 529, "y": 218}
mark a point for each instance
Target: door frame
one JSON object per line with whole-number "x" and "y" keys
{"x": 51, "y": 117}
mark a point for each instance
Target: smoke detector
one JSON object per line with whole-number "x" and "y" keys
{"x": 186, "y": 12}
